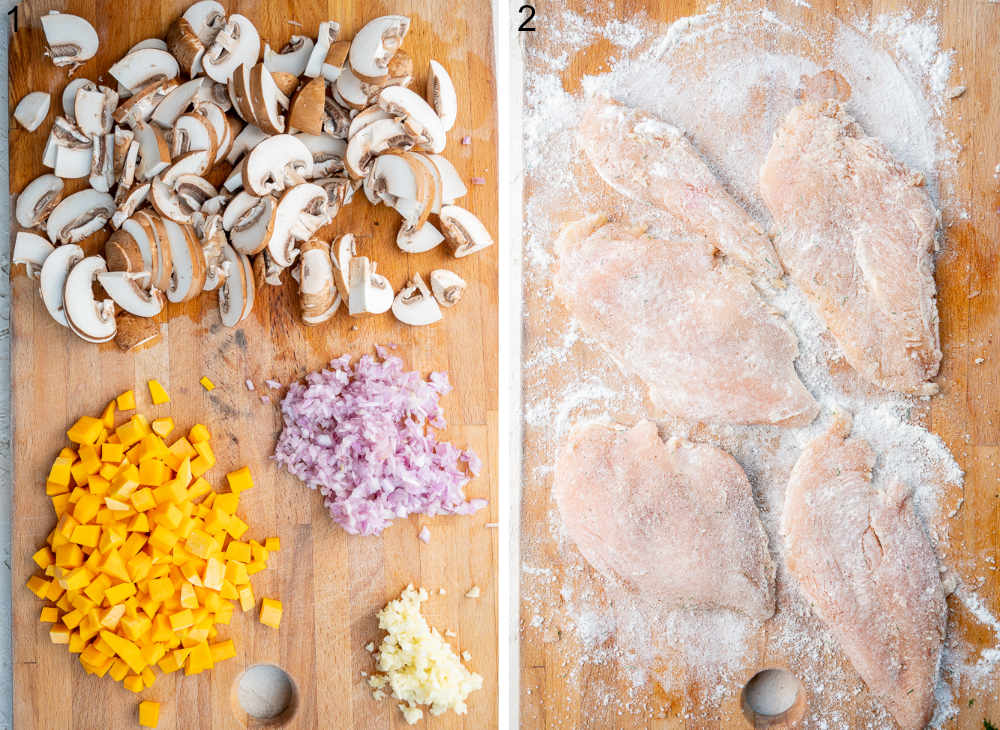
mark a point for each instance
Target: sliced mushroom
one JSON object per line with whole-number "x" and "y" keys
{"x": 146, "y": 66}
{"x": 276, "y": 163}
{"x": 435, "y": 174}
{"x": 400, "y": 74}
{"x": 452, "y": 187}
{"x": 154, "y": 154}
{"x": 414, "y": 305}
{"x": 122, "y": 143}
{"x": 207, "y": 18}
{"x": 37, "y": 200}
{"x": 239, "y": 92}
{"x": 91, "y": 320}
{"x": 122, "y": 253}
{"x": 176, "y": 103}
{"x": 69, "y": 96}
{"x": 184, "y": 44}
{"x": 72, "y": 162}
{"x": 464, "y": 232}
{"x": 317, "y": 290}
{"x": 213, "y": 239}
{"x": 265, "y": 100}
{"x": 181, "y": 198}
{"x": 308, "y": 107}
{"x": 351, "y": 91}
{"x": 337, "y": 119}
{"x": 236, "y": 294}
{"x": 67, "y": 134}
{"x": 339, "y": 192}
{"x": 292, "y": 58}
{"x": 135, "y": 333}
{"x": 141, "y": 105}
{"x": 79, "y": 215}
{"x": 129, "y": 203}
{"x": 235, "y": 179}
{"x": 32, "y": 110}
{"x": 266, "y": 271}
{"x": 326, "y": 36}
{"x": 131, "y": 292}
{"x": 214, "y": 92}
{"x": 336, "y": 57}
{"x": 235, "y": 44}
{"x": 102, "y": 176}
{"x": 246, "y": 140}
{"x": 366, "y": 117}
{"x": 441, "y": 95}
{"x": 71, "y": 40}
{"x": 52, "y": 279}
{"x": 30, "y": 250}
{"x": 157, "y": 43}
{"x": 286, "y": 83}
{"x": 418, "y": 116}
{"x": 93, "y": 110}
{"x": 220, "y": 126}
{"x": 327, "y": 153}
{"x": 341, "y": 252}
{"x": 161, "y": 255}
{"x": 374, "y": 46}
{"x": 401, "y": 181}
{"x": 298, "y": 215}
{"x": 418, "y": 240}
{"x": 188, "y": 273}
{"x": 448, "y": 287}
{"x": 249, "y": 221}
{"x": 372, "y": 141}
{"x": 369, "y": 292}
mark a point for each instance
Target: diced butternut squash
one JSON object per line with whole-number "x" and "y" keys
{"x": 240, "y": 480}
{"x": 126, "y": 401}
{"x": 158, "y": 393}
{"x": 270, "y": 612}
{"x": 149, "y": 713}
{"x": 86, "y": 430}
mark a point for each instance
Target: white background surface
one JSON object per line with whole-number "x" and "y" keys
{"x": 6, "y": 697}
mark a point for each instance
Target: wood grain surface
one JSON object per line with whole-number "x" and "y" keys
{"x": 963, "y": 414}
{"x": 331, "y": 584}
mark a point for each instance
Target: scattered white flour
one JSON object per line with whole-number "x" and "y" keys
{"x": 726, "y": 77}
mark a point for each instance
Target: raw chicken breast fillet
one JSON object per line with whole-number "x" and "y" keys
{"x": 855, "y": 231}
{"x": 647, "y": 159}
{"x": 869, "y": 569}
{"x": 685, "y": 321}
{"x": 675, "y": 522}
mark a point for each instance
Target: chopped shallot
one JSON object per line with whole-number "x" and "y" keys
{"x": 365, "y": 436}
{"x": 424, "y": 535}
{"x": 272, "y": 384}
{"x": 249, "y": 384}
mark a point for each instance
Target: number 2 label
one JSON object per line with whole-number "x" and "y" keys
{"x": 529, "y": 13}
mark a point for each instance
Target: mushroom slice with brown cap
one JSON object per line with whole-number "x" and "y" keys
{"x": 102, "y": 176}
{"x": 435, "y": 174}
{"x": 141, "y": 105}
{"x": 135, "y": 333}
{"x": 32, "y": 110}
{"x": 131, "y": 292}
{"x": 235, "y": 179}
{"x": 441, "y": 95}
{"x": 400, "y": 74}
{"x": 266, "y": 271}
{"x": 178, "y": 101}
{"x": 336, "y": 57}
{"x": 298, "y": 215}
{"x": 214, "y": 92}
{"x": 418, "y": 240}
{"x": 402, "y": 182}
{"x": 73, "y": 162}
{"x": 415, "y": 305}
{"x": 37, "y": 200}
{"x": 276, "y": 163}
{"x": 249, "y": 137}
{"x": 71, "y": 40}
{"x": 146, "y": 66}
{"x": 212, "y": 240}
{"x": 317, "y": 290}
{"x": 184, "y": 45}
{"x": 339, "y": 192}
{"x": 30, "y": 250}
{"x": 220, "y": 125}
{"x": 327, "y": 153}
{"x": 308, "y": 107}
{"x": 464, "y": 232}
{"x": 418, "y": 116}
{"x": 286, "y": 83}
{"x": 368, "y": 116}
{"x": 161, "y": 255}
{"x": 342, "y": 251}
{"x": 372, "y": 141}
{"x": 154, "y": 155}
{"x": 447, "y": 286}
{"x": 239, "y": 92}
{"x": 67, "y": 134}
{"x": 93, "y": 110}
{"x": 79, "y": 215}
{"x": 235, "y": 44}
{"x": 369, "y": 292}
{"x": 336, "y": 120}
{"x": 122, "y": 145}
{"x": 351, "y": 91}
{"x": 375, "y": 44}
{"x": 69, "y": 96}
{"x": 129, "y": 203}
{"x": 249, "y": 221}
{"x": 237, "y": 292}
{"x": 122, "y": 253}
{"x": 452, "y": 187}
{"x": 265, "y": 99}
{"x": 326, "y": 36}
{"x": 91, "y": 320}
{"x": 193, "y": 131}
{"x": 292, "y": 58}
{"x": 187, "y": 277}
{"x": 145, "y": 241}
{"x": 157, "y": 43}
{"x": 52, "y": 278}
{"x": 207, "y": 18}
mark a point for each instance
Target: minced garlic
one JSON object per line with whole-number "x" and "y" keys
{"x": 417, "y": 664}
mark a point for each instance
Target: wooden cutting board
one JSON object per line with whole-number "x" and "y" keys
{"x": 553, "y": 696}
{"x": 331, "y": 583}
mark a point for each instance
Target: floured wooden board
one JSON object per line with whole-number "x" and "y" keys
{"x": 574, "y": 671}
{"x": 331, "y": 583}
